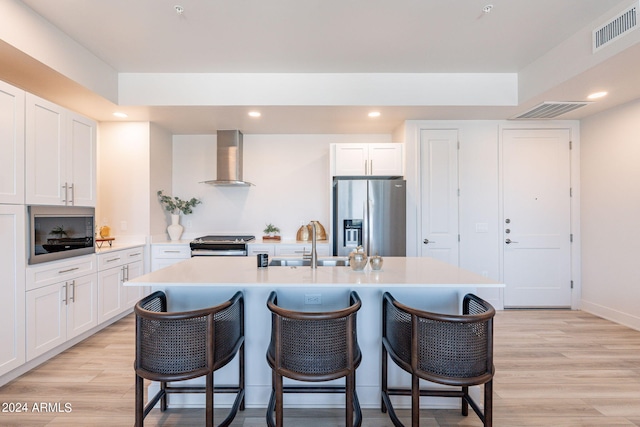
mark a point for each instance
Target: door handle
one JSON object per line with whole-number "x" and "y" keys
{"x": 509, "y": 241}
{"x": 427, "y": 241}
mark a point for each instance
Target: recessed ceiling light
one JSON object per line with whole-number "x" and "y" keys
{"x": 374, "y": 114}
{"x": 254, "y": 113}
{"x": 597, "y": 95}
{"x": 120, "y": 115}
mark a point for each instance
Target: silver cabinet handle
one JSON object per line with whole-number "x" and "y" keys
{"x": 427, "y": 241}
{"x": 68, "y": 270}
{"x": 73, "y": 195}
{"x": 509, "y": 241}
{"x": 73, "y": 291}
{"x": 113, "y": 259}
{"x": 365, "y": 168}
{"x": 135, "y": 254}
{"x": 66, "y": 293}
{"x": 64, "y": 187}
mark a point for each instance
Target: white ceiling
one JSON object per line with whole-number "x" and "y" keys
{"x": 329, "y": 36}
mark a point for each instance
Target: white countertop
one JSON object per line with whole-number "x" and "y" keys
{"x": 243, "y": 271}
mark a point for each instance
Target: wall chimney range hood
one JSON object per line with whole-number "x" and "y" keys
{"x": 229, "y": 160}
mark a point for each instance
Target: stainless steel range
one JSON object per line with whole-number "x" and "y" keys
{"x": 221, "y": 245}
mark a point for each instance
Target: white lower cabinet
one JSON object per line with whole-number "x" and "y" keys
{"x": 115, "y": 268}
{"x": 59, "y": 312}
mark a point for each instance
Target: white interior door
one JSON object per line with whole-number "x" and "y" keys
{"x": 537, "y": 217}
{"x": 439, "y": 194}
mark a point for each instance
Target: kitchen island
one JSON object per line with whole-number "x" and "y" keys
{"x": 424, "y": 283}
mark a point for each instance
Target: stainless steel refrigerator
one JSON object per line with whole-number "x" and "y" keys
{"x": 370, "y": 213}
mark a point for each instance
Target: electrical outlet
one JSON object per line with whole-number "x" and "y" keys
{"x": 313, "y": 299}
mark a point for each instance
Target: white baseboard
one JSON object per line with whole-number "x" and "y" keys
{"x": 608, "y": 313}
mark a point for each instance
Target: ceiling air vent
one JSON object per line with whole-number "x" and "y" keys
{"x": 550, "y": 110}
{"x": 615, "y": 28}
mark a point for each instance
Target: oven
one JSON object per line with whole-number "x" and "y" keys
{"x": 221, "y": 245}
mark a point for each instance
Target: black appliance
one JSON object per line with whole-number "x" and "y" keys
{"x": 221, "y": 245}
{"x": 58, "y": 232}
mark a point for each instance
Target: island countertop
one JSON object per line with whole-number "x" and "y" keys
{"x": 234, "y": 271}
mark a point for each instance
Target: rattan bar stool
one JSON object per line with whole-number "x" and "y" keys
{"x": 315, "y": 347}
{"x": 177, "y": 346}
{"x": 455, "y": 350}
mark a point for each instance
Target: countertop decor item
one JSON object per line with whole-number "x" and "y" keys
{"x": 358, "y": 259}
{"x": 375, "y": 262}
{"x": 176, "y": 206}
{"x": 271, "y": 232}
{"x": 304, "y": 233}
{"x": 321, "y": 233}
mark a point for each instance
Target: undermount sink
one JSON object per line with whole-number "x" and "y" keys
{"x": 300, "y": 262}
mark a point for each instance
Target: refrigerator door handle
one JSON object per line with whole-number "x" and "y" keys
{"x": 365, "y": 225}
{"x": 370, "y": 242}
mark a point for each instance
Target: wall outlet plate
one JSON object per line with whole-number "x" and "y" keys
{"x": 313, "y": 299}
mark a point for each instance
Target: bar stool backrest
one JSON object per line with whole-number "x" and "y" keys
{"x": 314, "y": 346}
{"x": 174, "y": 346}
{"x": 444, "y": 348}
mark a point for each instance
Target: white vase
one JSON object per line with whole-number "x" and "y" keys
{"x": 175, "y": 229}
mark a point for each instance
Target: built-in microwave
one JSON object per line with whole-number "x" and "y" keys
{"x": 57, "y": 232}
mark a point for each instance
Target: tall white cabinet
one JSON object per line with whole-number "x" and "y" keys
{"x": 11, "y": 144}
{"x": 60, "y": 155}
{"x": 12, "y": 287}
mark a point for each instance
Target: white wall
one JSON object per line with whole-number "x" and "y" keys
{"x": 123, "y": 180}
{"x": 160, "y": 178}
{"x": 610, "y": 213}
{"x": 290, "y": 173}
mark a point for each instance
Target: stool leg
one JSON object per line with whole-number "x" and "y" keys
{"x": 209, "y": 397}
{"x": 139, "y": 401}
{"x": 241, "y": 374}
{"x": 163, "y": 399}
{"x": 465, "y": 404}
{"x": 488, "y": 404}
{"x": 349, "y": 400}
{"x": 415, "y": 401}
{"x": 279, "y": 401}
{"x": 385, "y": 387}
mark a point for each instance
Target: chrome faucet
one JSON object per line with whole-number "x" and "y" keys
{"x": 314, "y": 253}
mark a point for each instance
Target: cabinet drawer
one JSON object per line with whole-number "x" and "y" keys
{"x": 118, "y": 258}
{"x": 301, "y": 249}
{"x": 53, "y": 272}
{"x": 170, "y": 251}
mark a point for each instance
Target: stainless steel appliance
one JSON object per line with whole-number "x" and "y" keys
{"x": 369, "y": 213}
{"x": 58, "y": 232}
{"x": 217, "y": 245}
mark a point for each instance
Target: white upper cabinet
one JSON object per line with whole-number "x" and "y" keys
{"x": 383, "y": 159}
{"x": 60, "y": 155}
{"x": 11, "y": 144}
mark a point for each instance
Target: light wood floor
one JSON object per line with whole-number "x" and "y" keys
{"x": 553, "y": 368}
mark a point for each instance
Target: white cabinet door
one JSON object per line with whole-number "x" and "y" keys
{"x": 351, "y": 159}
{"x": 12, "y": 287}
{"x": 46, "y": 319}
{"x": 81, "y": 150}
{"x": 45, "y": 152}
{"x": 11, "y": 145}
{"x": 110, "y": 293}
{"x": 60, "y": 155}
{"x": 386, "y": 159}
{"x": 133, "y": 294}
{"x": 82, "y": 305}
{"x": 383, "y": 159}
